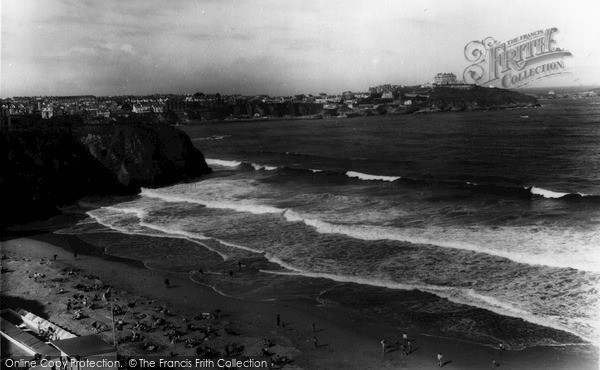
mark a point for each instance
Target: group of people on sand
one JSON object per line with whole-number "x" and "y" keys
{"x": 406, "y": 347}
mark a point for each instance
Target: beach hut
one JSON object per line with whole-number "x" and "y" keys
{"x": 20, "y": 335}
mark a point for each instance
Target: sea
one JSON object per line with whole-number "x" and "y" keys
{"x": 496, "y": 210}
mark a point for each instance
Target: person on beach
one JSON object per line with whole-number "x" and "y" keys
{"x": 439, "y": 358}
{"x": 501, "y": 348}
{"x": 278, "y": 320}
{"x": 69, "y": 305}
{"x": 74, "y": 255}
{"x": 494, "y": 363}
{"x": 404, "y": 338}
{"x": 314, "y": 327}
{"x": 167, "y": 283}
{"x": 315, "y": 341}
{"x": 54, "y": 257}
{"x": 383, "y": 347}
{"x": 106, "y": 294}
{"x": 409, "y": 346}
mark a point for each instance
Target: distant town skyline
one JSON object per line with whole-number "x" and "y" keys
{"x": 64, "y": 47}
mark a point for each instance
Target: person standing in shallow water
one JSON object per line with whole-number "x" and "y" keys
{"x": 383, "y": 347}
{"x": 439, "y": 358}
{"x": 278, "y": 320}
{"x": 167, "y": 284}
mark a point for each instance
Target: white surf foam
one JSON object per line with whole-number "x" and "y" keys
{"x": 487, "y": 244}
{"x": 552, "y": 194}
{"x": 165, "y": 232}
{"x": 364, "y": 176}
{"x": 162, "y": 233}
{"x": 239, "y": 246}
{"x": 221, "y": 162}
{"x": 226, "y": 163}
{"x": 240, "y": 206}
{"x": 177, "y": 232}
{"x": 140, "y": 213}
{"x": 259, "y": 167}
{"x": 438, "y": 236}
{"x": 372, "y": 233}
{"x": 547, "y": 193}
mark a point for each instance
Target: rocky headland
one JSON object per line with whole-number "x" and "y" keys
{"x": 49, "y": 163}
{"x": 477, "y": 98}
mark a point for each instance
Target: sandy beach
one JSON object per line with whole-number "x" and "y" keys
{"x": 242, "y": 327}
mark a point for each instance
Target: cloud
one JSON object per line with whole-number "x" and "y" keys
{"x": 76, "y": 51}
{"x": 301, "y": 43}
{"x": 206, "y": 36}
{"x": 128, "y": 48}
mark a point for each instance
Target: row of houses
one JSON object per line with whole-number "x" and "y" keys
{"x": 89, "y": 105}
{"x": 106, "y": 107}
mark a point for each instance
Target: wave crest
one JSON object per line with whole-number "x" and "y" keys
{"x": 496, "y": 189}
{"x": 222, "y": 162}
{"x": 367, "y": 177}
{"x": 239, "y": 206}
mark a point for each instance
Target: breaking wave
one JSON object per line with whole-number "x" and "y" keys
{"x": 364, "y": 176}
{"x": 239, "y": 206}
{"x": 371, "y": 233}
{"x": 480, "y": 187}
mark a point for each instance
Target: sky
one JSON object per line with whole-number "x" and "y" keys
{"x": 119, "y": 47}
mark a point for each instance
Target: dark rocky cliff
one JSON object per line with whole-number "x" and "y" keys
{"x": 52, "y": 163}
{"x": 143, "y": 155}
